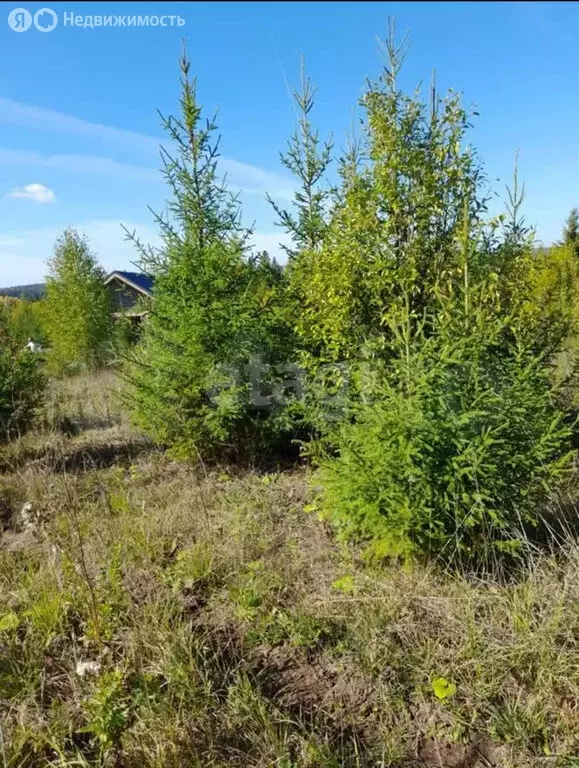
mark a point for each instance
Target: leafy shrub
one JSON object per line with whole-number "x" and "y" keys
{"x": 21, "y": 389}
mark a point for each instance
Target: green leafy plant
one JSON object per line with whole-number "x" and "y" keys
{"x": 392, "y": 223}
{"x": 77, "y": 310}
{"x": 443, "y": 688}
{"x": 571, "y": 232}
{"x": 108, "y": 709}
{"x": 9, "y": 621}
{"x": 448, "y": 438}
{"x": 344, "y": 584}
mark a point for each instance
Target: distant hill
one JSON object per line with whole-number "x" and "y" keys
{"x": 34, "y": 291}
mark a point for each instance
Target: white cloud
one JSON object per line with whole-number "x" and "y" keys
{"x": 23, "y": 253}
{"x": 12, "y": 241}
{"x": 26, "y": 116}
{"x": 241, "y": 177}
{"x": 37, "y": 192}
{"x": 256, "y": 181}
{"x": 105, "y": 166}
{"x": 244, "y": 177}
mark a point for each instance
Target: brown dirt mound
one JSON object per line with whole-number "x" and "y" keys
{"x": 306, "y": 683}
{"x": 436, "y": 753}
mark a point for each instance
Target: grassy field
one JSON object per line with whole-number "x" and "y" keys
{"x": 157, "y": 614}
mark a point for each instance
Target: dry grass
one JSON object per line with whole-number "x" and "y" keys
{"x": 82, "y": 426}
{"x": 88, "y": 402}
{"x": 153, "y": 614}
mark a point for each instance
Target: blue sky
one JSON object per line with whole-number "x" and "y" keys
{"x": 79, "y": 128}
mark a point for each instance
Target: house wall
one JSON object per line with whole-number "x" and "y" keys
{"x": 124, "y": 297}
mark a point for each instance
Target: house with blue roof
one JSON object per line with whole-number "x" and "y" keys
{"x": 130, "y": 293}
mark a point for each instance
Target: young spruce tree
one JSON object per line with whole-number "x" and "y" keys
{"x": 197, "y": 373}
{"x": 393, "y": 227}
{"x": 308, "y": 158}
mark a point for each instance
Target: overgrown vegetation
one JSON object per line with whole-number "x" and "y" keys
{"x": 192, "y": 607}
{"x": 421, "y": 331}
{"x": 571, "y": 232}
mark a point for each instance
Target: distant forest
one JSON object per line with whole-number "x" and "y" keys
{"x": 33, "y": 291}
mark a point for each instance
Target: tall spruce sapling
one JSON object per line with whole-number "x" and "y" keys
{"x": 457, "y": 441}
{"x": 212, "y": 316}
{"x": 308, "y": 157}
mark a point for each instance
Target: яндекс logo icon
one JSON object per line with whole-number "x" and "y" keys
{"x": 19, "y": 20}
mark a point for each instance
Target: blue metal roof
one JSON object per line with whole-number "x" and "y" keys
{"x": 140, "y": 280}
